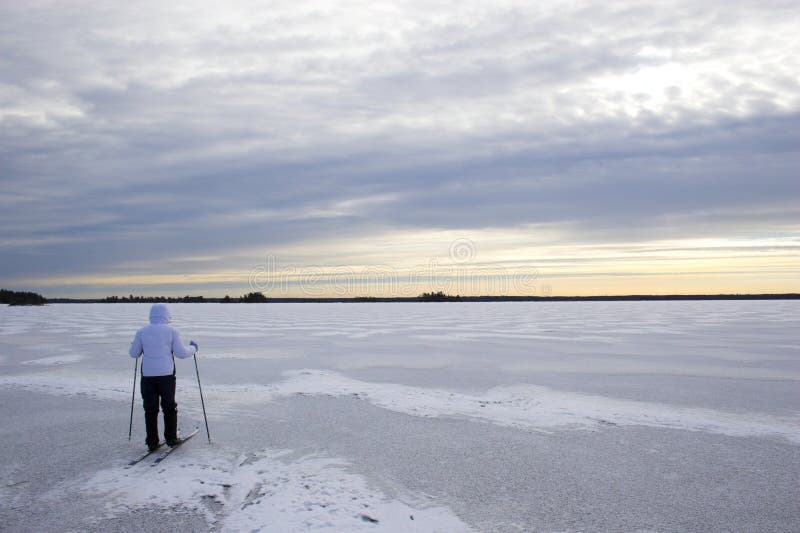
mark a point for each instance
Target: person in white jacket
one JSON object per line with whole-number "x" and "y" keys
{"x": 159, "y": 344}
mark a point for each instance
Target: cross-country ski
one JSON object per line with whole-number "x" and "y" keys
{"x": 163, "y": 455}
{"x": 144, "y": 455}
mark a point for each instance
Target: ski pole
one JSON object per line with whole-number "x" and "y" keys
{"x": 201, "y": 397}
{"x": 133, "y": 396}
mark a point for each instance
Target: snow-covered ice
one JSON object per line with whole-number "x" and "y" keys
{"x": 247, "y": 492}
{"x": 564, "y": 416}
{"x": 55, "y": 360}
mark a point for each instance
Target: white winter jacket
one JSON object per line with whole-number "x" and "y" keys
{"x": 159, "y": 341}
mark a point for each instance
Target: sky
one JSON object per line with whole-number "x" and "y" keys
{"x": 348, "y": 148}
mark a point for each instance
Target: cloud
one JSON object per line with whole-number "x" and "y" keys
{"x": 134, "y": 133}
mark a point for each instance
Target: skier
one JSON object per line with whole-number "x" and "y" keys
{"x": 160, "y": 343}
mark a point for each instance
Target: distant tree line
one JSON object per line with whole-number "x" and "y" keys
{"x": 247, "y": 298}
{"x": 21, "y": 298}
{"x": 153, "y": 299}
{"x": 437, "y": 297}
{"x": 252, "y": 297}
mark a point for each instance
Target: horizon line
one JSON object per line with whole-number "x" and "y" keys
{"x": 435, "y": 298}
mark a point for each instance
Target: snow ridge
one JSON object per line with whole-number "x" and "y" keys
{"x": 537, "y": 408}
{"x": 527, "y": 407}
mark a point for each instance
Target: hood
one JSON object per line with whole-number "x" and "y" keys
{"x": 159, "y": 314}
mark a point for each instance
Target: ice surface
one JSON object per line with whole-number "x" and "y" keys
{"x": 417, "y": 409}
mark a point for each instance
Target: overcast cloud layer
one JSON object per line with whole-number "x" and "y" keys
{"x": 188, "y": 141}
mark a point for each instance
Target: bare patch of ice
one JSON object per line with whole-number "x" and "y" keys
{"x": 430, "y": 361}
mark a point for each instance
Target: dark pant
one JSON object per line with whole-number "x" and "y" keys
{"x": 153, "y": 388}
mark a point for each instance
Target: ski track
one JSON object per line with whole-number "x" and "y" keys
{"x": 262, "y": 492}
{"x": 526, "y": 407}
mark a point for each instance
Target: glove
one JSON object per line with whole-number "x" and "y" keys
{"x": 192, "y": 343}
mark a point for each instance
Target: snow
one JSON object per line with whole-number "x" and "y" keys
{"x": 268, "y": 490}
{"x": 468, "y": 417}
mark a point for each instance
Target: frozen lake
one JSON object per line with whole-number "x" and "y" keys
{"x": 501, "y": 417}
